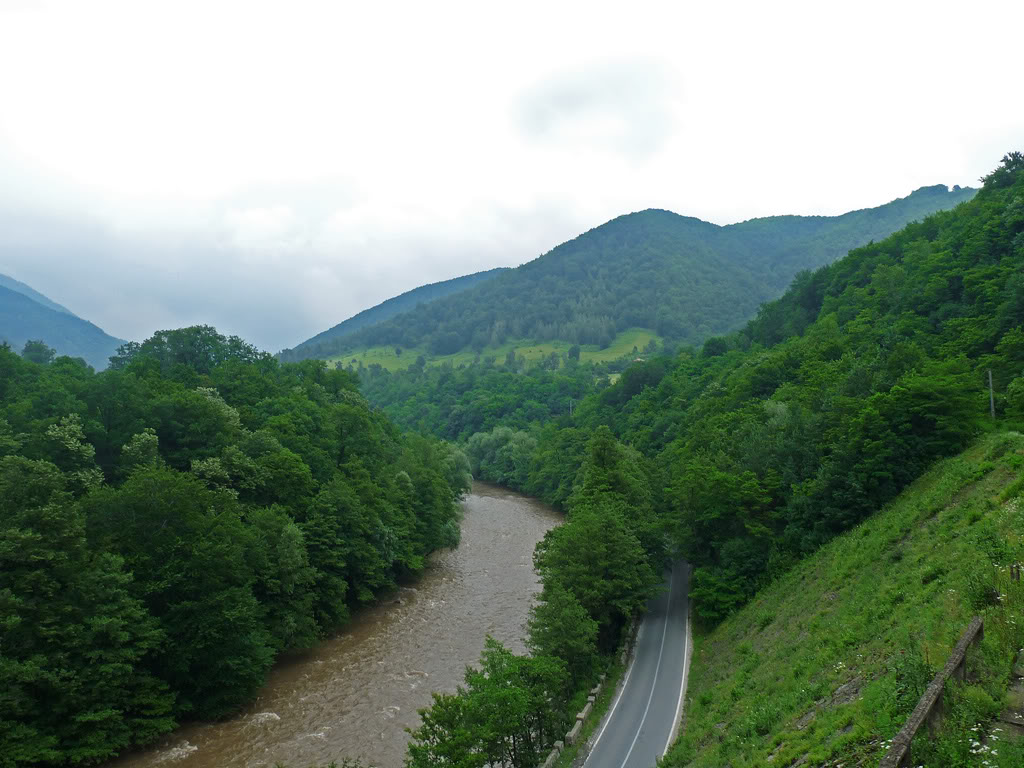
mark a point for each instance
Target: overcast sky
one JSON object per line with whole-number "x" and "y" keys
{"x": 272, "y": 168}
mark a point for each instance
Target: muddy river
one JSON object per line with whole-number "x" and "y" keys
{"x": 355, "y": 695}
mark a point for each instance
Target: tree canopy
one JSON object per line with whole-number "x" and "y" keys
{"x": 683, "y": 278}
{"x": 172, "y": 524}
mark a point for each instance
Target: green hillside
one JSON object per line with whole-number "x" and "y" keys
{"x": 679, "y": 277}
{"x": 765, "y": 457}
{"x": 826, "y": 664}
{"x": 325, "y": 343}
{"x": 764, "y": 444}
{"x": 532, "y": 352}
{"x": 22, "y": 319}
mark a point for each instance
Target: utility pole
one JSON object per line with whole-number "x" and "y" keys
{"x": 991, "y": 396}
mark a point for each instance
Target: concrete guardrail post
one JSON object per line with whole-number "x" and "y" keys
{"x": 574, "y": 733}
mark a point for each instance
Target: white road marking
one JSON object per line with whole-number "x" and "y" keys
{"x": 682, "y": 684}
{"x": 618, "y": 698}
{"x": 657, "y": 668}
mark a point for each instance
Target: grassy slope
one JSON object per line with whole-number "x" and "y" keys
{"x": 533, "y": 352}
{"x": 877, "y": 610}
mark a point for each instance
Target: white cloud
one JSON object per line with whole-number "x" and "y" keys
{"x": 275, "y": 167}
{"x": 630, "y": 106}
{"x": 259, "y": 229}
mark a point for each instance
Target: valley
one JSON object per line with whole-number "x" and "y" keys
{"x": 547, "y": 385}
{"x": 224, "y": 508}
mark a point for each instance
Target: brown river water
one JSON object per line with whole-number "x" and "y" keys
{"x": 355, "y": 694}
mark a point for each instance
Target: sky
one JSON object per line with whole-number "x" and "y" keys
{"x": 272, "y": 168}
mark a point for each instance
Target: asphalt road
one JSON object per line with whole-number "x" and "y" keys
{"x": 642, "y": 719}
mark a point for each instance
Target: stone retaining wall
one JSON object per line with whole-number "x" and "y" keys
{"x": 574, "y": 733}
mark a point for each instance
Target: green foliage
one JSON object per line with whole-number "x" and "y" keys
{"x": 173, "y": 523}
{"x": 37, "y": 352}
{"x": 598, "y": 559}
{"x": 680, "y": 277}
{"x": 76, "y": 642}
{"x": 559, "y": 627}
{"x": 323, "y": 343}
{"x": 505, "y": 716}
{"x": 445, "y": 738}
{"x": 857, "y": 633}
{"x": 457, "y": 403}
{"x": 501, "y": 456}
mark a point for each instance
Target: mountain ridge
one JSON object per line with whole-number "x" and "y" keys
{"x": 387, "y": 309}
{"x": 23, "y": 318}
{"x": 681, "y": 277}
{"x": 9, "y": 282}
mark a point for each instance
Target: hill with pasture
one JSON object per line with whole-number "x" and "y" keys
{"x": 678, "y": 277}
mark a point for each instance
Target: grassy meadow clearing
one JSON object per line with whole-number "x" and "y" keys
{"x": 389, "y": 358}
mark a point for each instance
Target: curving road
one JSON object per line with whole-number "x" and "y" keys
{"x": 642, "y": 720}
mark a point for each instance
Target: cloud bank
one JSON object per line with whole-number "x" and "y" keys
{"x": 274, "y": 168}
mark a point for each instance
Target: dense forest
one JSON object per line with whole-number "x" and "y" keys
{"x": 171, "y": 525}
{"x": 683, "y": 278}
{"x": 457, "y": 402}
{"x": 324, "y": 342}
{"x": 762, "y": 444}
{"x": 597, "y": 570}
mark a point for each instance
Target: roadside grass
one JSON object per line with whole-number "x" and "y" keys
{"x": 532, "y": 352}
{"x": 825, "y": 664}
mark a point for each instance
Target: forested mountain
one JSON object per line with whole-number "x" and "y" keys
{"x": 745, "y": 455}
{"x": 27, "y": 315}
{"x": 170, "y": 525}
{"x": 324, "y": 343}
{"x": 763, "y": 444}
{"x": 681, "y": 277}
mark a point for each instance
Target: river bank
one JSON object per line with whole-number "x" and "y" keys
{"x": 355, "y": 694}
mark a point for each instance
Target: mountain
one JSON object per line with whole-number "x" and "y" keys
{"x": 20, "y": 287}
{"x": 24, "y": 317}
{"x": 683, "y": 278}
{"x": 792, "y": 464}
{"x": 318, "y": 345}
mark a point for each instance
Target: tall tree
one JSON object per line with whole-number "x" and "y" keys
{"x": 74, "y": 642}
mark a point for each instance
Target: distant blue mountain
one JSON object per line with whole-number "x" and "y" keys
{"x": 27, "y": 315}
{"x": 20, "y": 287}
